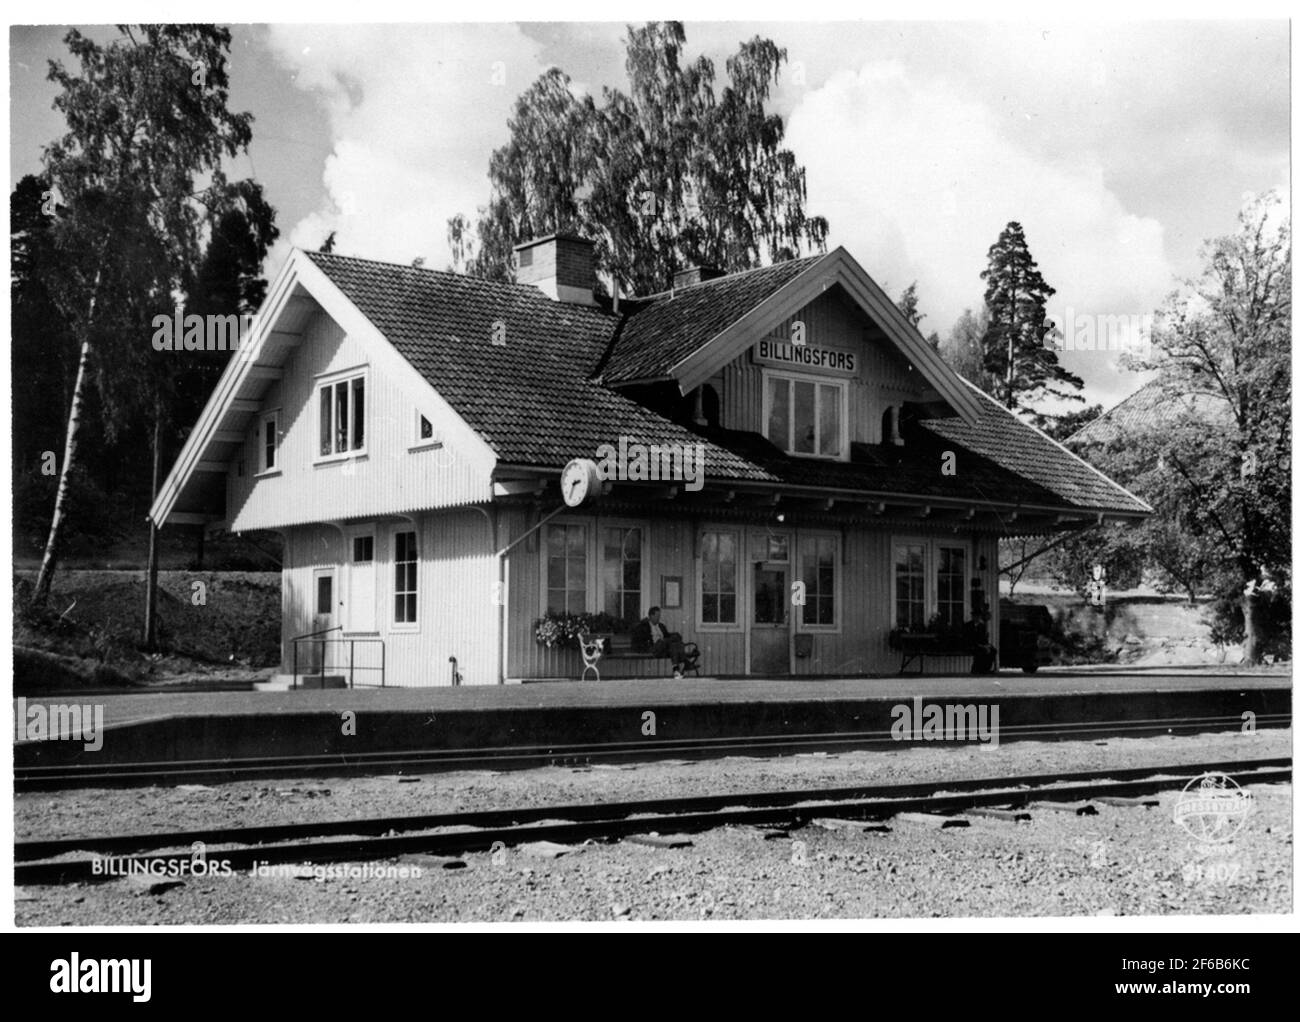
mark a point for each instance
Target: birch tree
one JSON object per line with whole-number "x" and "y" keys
{"x": 135, "y": 177}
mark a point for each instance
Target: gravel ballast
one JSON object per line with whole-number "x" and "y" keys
{"x": 1125, "y": 860}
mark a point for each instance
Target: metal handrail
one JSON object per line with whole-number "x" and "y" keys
{"x": 352, "y": 654}
{"x": 312, "y": 635}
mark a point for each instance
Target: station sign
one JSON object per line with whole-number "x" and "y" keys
{"x": 771, "y": 351}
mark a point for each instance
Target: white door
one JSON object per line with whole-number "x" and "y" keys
{"x": 359, "y": 607}
{"x": 318, "y": 652}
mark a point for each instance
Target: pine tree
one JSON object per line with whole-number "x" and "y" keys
{"x": 908, "y": 303}
{"x": 1015, "y": 343}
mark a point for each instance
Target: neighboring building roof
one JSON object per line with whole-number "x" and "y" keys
{"x": 535, "y": 402}
{"x": 1153, "y": 406}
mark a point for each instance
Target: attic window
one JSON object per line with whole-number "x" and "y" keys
{"x": 805, "y": 416}
{"x": 525, "y": 258}
{"x": 268, "y": 442}
{"x": 342, "y": 408}
{"x": 425, "y": 435}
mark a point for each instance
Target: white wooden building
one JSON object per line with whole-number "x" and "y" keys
{"x": 405, "y": 431}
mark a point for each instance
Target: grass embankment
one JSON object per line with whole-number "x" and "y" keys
{"x": 210, "y": 624}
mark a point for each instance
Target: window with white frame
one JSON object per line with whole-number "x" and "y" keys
{"x": 406, "y": 575}
{"x": 950, "y": 584}
{"x": 566, "y": 569}
{"x": 621, "y": 573}
{"x": 931, "y": 579}
{"x": 719, "y": 556}
{"x": 342, "y": 410}
{"x": 268, "y": 441}
{"x": 818, "y": 557}
{"x": 805, "y": 416}
{"x": 909, "y": 585}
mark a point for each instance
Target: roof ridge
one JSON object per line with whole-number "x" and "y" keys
{"x": 451, "y": 274}
{"x": 731, "y": 276}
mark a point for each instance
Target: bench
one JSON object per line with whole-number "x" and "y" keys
{"x": 916, "y": 646}
{"x": 618, "y": 646}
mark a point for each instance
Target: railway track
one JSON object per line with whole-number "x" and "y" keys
{"x": 166, "y": 772}
{"x": 452, "y": 834}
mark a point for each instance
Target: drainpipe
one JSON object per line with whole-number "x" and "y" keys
{"x": 493, "y": 519}
{"x": 500, "y": 597}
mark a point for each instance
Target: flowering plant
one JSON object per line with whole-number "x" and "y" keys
{"x": 562, "y": 629}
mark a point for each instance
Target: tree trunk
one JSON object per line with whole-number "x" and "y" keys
{"x": 151, "y": 574}
{"x": 1255, "y": 627}
{"x": 50, "y": 560}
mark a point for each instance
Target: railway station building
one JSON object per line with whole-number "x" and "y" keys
{"x": 775, "y": 458}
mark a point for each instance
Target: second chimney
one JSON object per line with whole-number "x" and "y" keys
{"x": 563, "y": 266}
{"x": 697, "y": 275}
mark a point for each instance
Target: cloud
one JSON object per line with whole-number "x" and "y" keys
{"x": 918, "y": 178}
{"x": 415, "y": 111}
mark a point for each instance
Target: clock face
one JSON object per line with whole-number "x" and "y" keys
{"x": 575, "y": 482}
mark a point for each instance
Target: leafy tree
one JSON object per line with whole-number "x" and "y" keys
{"x": 1062, "y": 427}
{"x": 147, "y": 122}
{"x": 1221, "y": 485}
{"x": 1115, "y": 547}
{"x": 673, "y": 173}
{"x": 1227, "y": 490}
{"x": 1015, "y": 350}
{"x": 962, "y": 350}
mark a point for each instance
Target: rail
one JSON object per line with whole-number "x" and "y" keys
{"x": 317, "y": 640}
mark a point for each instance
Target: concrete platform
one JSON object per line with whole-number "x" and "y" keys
{"x": 177, "y": 727}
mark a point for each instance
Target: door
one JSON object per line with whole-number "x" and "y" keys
{"x": 769, "y": 615}
{"x": 323, "y": 617}
{"x": 359, "y": 605}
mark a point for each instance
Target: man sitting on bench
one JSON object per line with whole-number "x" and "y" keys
{"x": 649, "y": 636}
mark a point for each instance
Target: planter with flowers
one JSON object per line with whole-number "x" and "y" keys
{"x": 561, "y": 630}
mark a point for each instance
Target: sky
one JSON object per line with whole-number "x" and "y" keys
{"x": 1120, "y": 146}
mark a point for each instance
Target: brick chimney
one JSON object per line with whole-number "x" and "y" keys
{"x": 697, "y": 275}
{"x": 563, "y": 266}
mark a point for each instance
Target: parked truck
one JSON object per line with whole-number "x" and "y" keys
{"x": 1024, "y": 635}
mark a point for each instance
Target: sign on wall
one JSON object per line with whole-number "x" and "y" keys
{"x": 813, "y": 357}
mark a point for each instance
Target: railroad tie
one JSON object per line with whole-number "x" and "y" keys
{"x": 1116, "y": 800}
{"x": 1076, "y": 808}
{"x": 661, "y": 840}
{"x": 933, "y": 820}
{"x": 1009, "y": 815}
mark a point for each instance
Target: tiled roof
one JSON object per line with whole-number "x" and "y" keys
{"x": 1002, "y": 438}
{"x": 665, "y": 328}
{"x": 540, "y": 399}
{"x": 1152, "y": 407}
